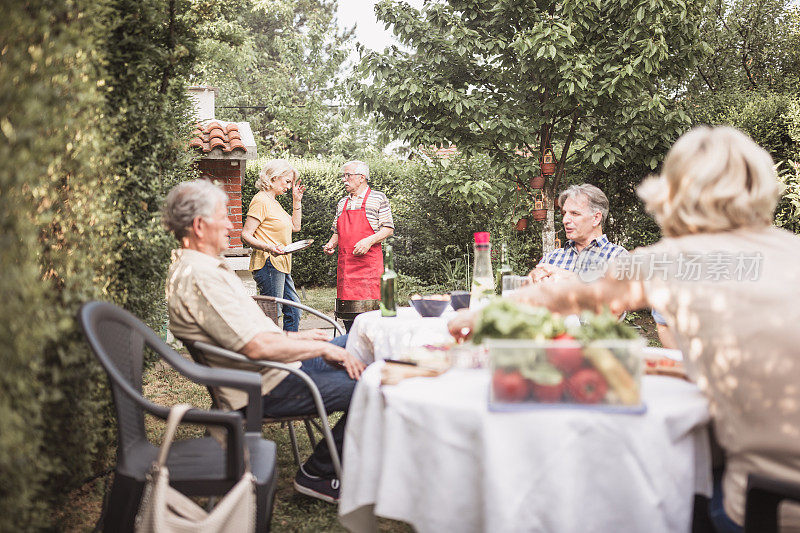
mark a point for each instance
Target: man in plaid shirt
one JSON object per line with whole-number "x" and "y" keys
{"x": 586, "y": 254}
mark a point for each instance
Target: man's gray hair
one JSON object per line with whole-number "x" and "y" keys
{"x": 189, "y": 200}
{"x": 598, "y": 201}
{"x": 360, "y": 167}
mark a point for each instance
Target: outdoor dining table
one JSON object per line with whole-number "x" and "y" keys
{"x": 374, "y": 337}
{"x": 429, "y": 452}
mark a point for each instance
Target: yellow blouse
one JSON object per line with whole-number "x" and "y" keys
{"x": 275, "y": 227}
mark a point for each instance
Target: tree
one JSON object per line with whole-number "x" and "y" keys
{"x": 509, "y": 77}
{"x": 754, "y": 46}
{"x": 750, "y": 82}
{"x": 276, "y": 63}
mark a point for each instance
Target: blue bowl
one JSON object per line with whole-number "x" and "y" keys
{"x": 459, "y": 299}
{"x": 429, "y": 308}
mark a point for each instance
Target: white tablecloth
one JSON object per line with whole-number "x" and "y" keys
{"x": 428, "y": 452}
{"x": 374, "y": 338}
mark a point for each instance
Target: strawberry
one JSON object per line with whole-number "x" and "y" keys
{"x": 548, "y": 393}
{"x": 587, "y": 386}
{"x": 509, "y": 386}
{"x": 568, "y": 358}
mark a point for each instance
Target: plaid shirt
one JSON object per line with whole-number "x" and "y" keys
{"x": 592, "y": 258}
{"x": 379, "y": 212}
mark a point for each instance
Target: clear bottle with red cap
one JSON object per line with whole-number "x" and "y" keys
{"x": 482, "y": 276}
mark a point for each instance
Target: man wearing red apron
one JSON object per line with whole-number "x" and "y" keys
{"x": 363, "y": 221}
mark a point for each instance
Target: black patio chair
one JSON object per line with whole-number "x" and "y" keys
{"x": 764, "y": 496}
{"x": 198, "y": 467}
{"x": 199, "y": 349}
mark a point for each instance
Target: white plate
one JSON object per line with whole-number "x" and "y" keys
{"x": 298, "y": 245}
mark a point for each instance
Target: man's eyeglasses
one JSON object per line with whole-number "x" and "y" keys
{"x": 348, "y": 175}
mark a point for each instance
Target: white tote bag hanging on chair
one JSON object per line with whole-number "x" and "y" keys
{"x": 166, "y": 510}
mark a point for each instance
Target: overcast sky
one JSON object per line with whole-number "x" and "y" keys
{"x": 369, "y": 31}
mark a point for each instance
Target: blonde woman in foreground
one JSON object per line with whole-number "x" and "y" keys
{"x": 728, "y": 284}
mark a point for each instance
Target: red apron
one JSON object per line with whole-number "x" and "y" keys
{"x": 358, "y": 277}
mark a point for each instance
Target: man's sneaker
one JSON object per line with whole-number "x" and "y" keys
{"x": 317, "y": 487}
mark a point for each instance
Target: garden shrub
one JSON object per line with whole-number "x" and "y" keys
{"x": 56, "y": 245}
{"x": 773, "y": 121}
{"x": 91, "y": 140}
{"x": 434, "y": 228}
{"x": 764, "y": 116}
{"x": 146, "y": 60}
{"x": 787, "y": 214}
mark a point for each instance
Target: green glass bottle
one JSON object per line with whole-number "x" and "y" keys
{"x": 389, "y": 285}
{"x": 504, "y": 269}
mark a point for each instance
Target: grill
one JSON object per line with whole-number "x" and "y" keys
{"x": 349, "y": 309}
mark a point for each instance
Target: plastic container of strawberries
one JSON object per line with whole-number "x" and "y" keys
{"x": 604, "y": 375}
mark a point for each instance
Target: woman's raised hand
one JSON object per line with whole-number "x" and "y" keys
{"x": 297, "y": 190}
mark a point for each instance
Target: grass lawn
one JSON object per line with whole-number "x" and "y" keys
{"x": 320, "y": 298}
{"x": 292, "y": 511}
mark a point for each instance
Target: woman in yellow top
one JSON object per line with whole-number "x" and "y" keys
{"x": 268, "y": 228}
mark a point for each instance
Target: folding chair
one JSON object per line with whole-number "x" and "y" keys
{"x": 198, "y": 349}
{"x": 269, "y": 304}
{"x": 197, "y": 467}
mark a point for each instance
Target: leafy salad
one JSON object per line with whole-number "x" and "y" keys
{"x": 506, "y": 319}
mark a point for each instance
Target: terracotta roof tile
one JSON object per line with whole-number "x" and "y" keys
{"x": 217, "y": 142}
{"x": 207, "y": 137}
{"x": 447, "y": 152}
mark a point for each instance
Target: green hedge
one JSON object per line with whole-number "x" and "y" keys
{"x": 90, "y": 139}
{"x": 773, "y": 121}
{"x": 146, "y": 62}
{"x": 433, "y": 230}
{"x": 52, "y": 210}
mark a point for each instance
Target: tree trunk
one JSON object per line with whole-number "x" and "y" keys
{"x": 549, "y": 228}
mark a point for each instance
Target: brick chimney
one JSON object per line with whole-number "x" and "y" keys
{"x": 225, "y": 148}
{"x": 203, "y": 99}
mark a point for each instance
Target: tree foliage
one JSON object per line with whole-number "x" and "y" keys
{"x": 280, "y": 58}
{"x": 750, "y": 82}
{"x": 507, "y": 78}
{"x": 754, "y": 46}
